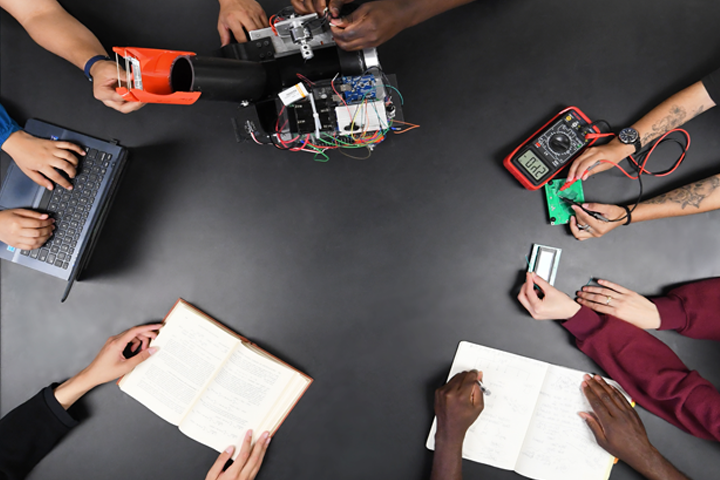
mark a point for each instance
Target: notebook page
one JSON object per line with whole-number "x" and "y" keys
{"x": 559, "y": 445}
{"x": 190, "y": 350}
{"x": 514, "y": 383}
{"x": 239, "y": 398}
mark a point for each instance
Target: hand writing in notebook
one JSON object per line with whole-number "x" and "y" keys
{"x": 246, "y": 465}
{"x": 619, "y": 430}
{"x": 458, "y": 404}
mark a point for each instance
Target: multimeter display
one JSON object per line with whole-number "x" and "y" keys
{"x": 550, "y": 149}
{"x": 533, "y": 165}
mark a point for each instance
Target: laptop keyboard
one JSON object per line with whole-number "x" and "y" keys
{"x": 70, "y": 209}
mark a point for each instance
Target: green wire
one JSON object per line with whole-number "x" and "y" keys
{"x": 402, "y": 100}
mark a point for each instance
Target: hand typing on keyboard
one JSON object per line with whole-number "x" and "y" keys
{"x": 43, "y": 160}
{"x": 25, "y": 229}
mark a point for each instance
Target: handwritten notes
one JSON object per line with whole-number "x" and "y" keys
{"x": 530, "y": 422}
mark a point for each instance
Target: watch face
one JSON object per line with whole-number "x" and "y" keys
{"x": 628, "y": 136}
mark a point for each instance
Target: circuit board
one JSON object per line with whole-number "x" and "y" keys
{"x": 359, "y": 88}
{"x": 559, "y": 210}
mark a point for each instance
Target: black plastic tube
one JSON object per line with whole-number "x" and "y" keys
{"x": 218, "y": 78}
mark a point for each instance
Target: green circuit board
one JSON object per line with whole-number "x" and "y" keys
{"x": 560, "y": 211}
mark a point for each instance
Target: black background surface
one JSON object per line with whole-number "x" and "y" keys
{"x": 365, "y": 274}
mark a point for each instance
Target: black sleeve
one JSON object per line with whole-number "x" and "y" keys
{"x": 712, "y": 85}
{"x": 29, "y": 432}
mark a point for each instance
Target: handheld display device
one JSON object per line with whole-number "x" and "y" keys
{"x": 551, "y": 148}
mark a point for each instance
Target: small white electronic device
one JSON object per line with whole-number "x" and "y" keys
{"x": 544, "y": 262}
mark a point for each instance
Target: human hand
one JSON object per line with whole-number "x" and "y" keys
{"x": 111, "y": 363}
{"x": 615, "y": 424}
{"x": 612, "y": 299}
{"x": 105, "y": 79}
{"x": 39, "y": 158}
{"x": 591, "y": 226}
{"x": 596, "y": 159}
{"x": 247, "y": 463}
{"x": 238, "y": 14}
{"x": 305, "y": 7}
{"x": 25, "y": 229}
{"x": 554, "y": 305}
{"x": 458, "y": 404}
{"x": 372, "y": 24}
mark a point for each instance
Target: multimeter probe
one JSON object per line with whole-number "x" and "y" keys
{"x": 550, "y": 149}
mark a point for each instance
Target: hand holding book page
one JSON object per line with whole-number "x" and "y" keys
{"x": 530, "y": 423}
{"x": 247, "y": 463}
{"x": 212, "y": 383}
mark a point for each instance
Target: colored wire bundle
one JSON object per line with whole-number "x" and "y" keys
{"x": 362, "y": 115}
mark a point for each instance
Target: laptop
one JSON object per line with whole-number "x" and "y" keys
{"x": 79, "y": 213}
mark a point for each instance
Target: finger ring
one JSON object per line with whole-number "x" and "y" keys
{"x": 584, "y": 227}
{"x": 609, "y": 298}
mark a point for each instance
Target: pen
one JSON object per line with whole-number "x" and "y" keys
{"x": 482, "y": 387}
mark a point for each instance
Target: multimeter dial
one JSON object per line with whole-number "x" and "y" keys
{"x": 559, "y": 143}
{"x": 544, "y": 154}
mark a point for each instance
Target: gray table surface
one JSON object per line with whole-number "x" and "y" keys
{"x": 363, "y": 273}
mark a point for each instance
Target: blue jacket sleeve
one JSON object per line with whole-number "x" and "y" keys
{"x": 8, "y": 126}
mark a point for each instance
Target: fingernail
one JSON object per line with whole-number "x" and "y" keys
{"x": 586, "y": 205}
{"x": 248, "y": 434}
{"x": 267, "y": 442}
{"x": 152, "y": 350}
{"x": 230, "y": 449}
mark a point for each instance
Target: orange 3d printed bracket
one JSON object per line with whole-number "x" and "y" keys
{"x": 147, "y": 76}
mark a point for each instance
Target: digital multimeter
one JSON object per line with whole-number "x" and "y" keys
{"x": 547, "y": 151}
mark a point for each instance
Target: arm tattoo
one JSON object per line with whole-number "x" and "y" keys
{"x": 677, "y": 117}
{"x": 692, "y": 194}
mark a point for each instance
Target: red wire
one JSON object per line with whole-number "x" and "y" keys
{"x": 642, "y": 169}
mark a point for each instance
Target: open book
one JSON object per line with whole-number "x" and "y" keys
{"x": 530, "y": 423}
{"x": 212, "y": 383}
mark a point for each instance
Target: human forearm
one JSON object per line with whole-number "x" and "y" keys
{"x": 110, "y": 363}
{"x": 696, "y": 197}
{"x": 458, "y": 404}
{"x": 691, "y": 310}
{"x": 447, "y": 461}
{"x": 58, "y": 32}
{"x": 674, "y": 112}
{"x": 650, "y": 372}
{"x": 656, "y": 467}
{"x": 72, "y": 389}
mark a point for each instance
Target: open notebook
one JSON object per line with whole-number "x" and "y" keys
{"x": 530, "y": 423}
{"x": 212, "y": 383}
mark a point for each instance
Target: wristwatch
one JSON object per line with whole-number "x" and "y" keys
{"x": 630, "y": 136}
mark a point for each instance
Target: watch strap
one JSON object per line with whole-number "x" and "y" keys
{"x": 89, "y": 64}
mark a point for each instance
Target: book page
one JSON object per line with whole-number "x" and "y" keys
{"x": 238, "y": 398}
{"x": 190, "y": 350}
{"x": 559, "y": 445}
{"x": 514, "y": 383}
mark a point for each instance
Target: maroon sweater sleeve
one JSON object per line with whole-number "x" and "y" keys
{"x": 649, "y": 371}
{"x": 692, "y": 310}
